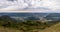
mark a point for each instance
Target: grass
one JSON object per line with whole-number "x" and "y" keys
{"x": 54, "y": 28}
{"x": 5, "y": 29}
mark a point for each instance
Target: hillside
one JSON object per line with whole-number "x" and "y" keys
{"x": 53, "y": 28}
{"x": 2, "y": 29}
{"x": 8, "y": 24}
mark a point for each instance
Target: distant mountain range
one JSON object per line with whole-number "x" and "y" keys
{"x": 23, "y": 14}
{"x": 53, "y": 16}
{"x": 34, "y": 16}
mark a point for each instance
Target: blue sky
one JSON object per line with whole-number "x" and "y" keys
{"x": 30, "y": 5}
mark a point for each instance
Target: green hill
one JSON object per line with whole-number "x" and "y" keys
{"x": 8, "y": 24}
{"x": 54, "y": 28}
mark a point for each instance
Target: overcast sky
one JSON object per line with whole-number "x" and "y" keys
{"x": 30, "y": 5}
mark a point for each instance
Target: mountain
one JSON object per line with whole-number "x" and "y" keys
{"x": 24, "y": 14}
{"x": 53, "y": 16}
{"x": 34, "y": 16}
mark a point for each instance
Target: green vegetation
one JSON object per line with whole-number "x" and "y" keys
{"x": 25, "y": 26}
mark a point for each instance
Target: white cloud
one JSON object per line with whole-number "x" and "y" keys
{"x": 21, "y": 4}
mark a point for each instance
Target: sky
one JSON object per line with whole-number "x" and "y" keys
{"x": 30, "y": 5}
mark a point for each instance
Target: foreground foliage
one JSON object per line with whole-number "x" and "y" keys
{"x": 25, "y": 26}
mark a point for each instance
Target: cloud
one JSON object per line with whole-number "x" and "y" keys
{"x": 41, "y": 5}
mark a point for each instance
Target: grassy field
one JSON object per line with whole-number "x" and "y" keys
{"x": 5, "y": 29}
{"x": 54, "y": 28}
